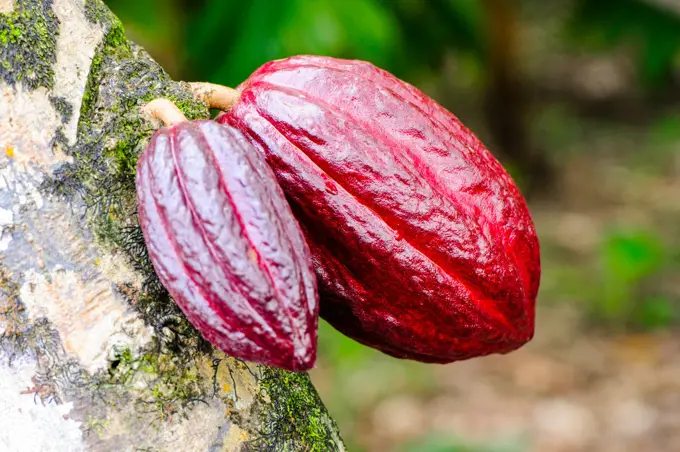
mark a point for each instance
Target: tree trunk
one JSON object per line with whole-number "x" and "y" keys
{"x": 506, "y": 103}
{"x": 94, "y": 355}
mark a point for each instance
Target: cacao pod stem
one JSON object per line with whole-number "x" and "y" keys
{"x": 164, "y": 110}
{"x": 215, "y": 96}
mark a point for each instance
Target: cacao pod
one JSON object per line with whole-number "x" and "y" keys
{"x": 423, "y": 245}
{"x": 225, "y": 244}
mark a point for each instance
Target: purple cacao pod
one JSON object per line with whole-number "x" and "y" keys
{"x": 226, "y": 246}
{"x": 423, "y": 245}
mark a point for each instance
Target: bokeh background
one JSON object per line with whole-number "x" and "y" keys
{"x": 580, "y": 100}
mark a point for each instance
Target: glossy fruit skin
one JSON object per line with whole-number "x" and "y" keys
{"x": 423, "y": 245}
{"x": 226, "y": 246}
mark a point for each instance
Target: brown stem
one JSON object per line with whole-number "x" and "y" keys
{"x": 216, "y": 96}
{"x": 164, "y": 110}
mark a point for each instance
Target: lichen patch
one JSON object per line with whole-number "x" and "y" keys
{"x": 234, "y": 439}
{"x": 244, "y": 384}
{"x": 176, "y": 435}
{"x": 29, "y": 129}
{"x": 27, "y": 424}
{"x": 76, "y": 44}
{"x": 6, "y": 223}
{"x": 87, "y": 315}
{"x": 117, "y": 269}
{"x": 6, "y": 6}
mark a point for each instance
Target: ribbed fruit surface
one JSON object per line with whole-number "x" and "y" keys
{"x": 225, "y": 244}
{"x": 423, "y": 245}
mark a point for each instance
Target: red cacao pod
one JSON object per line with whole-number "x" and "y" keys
{"x": 423, "y": 245}
{"x": 225, "y": 244}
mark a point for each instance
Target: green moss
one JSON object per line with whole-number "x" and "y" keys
{"x": 113, "y": 44}
{"x": 112, "y": 134}
{"x": 97, "y": 12}
{"x": 28, "y": 39}
{"x": 95, "y": 425}
{"x": 63, "y": 107}
{"x": 136, "y": 81}
{"x": 293, "y": 416}
{"x": 173, "y": 382}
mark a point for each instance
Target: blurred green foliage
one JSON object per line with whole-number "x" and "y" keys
{"x": 651, "y": 28}
{"x": 441, "y": 443}
{"x": 261, "y": 30}
{"x": 223, "y": 41}
{"x": 625, "y": 295}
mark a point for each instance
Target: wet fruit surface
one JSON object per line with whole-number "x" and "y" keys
{"x": 423, "y": 245}
{"x": 226, "y": 246}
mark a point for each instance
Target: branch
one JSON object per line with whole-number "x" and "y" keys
{"x": 94, "y": 355}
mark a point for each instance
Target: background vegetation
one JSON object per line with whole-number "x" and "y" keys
{"x": 580, "y": 99}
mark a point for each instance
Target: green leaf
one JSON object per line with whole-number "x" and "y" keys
{"x": 361, "y": 29}
{"x": 228, "y": 40}
{"x": 211, "y": 31}
{"x": 340, "y": 349}
{"x": 655, "y": 313}
{"x": 654, "y": 32}
{"x": 664, "y": 133}
{"x": 254, "y": 42}
{"x": 434, "y": 27}
{"x": 441, "y": 443}
{"x": 632, "y": 255}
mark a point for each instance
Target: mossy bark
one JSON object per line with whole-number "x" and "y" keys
{"x": 94, "y": 355}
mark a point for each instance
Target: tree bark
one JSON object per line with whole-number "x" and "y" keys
{"x": 94, "y": 355}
